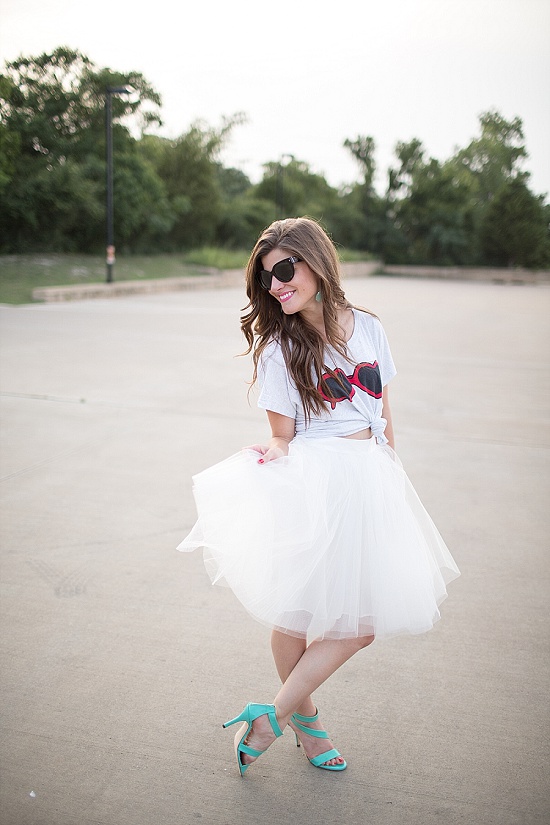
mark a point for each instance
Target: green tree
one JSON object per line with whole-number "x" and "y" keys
{"x": 363, "y": 149}
{"x": 346, "y": 222}
{"x": 515, "y": 228}
{"x": 189, "y": 168}
{"x": 57, "y": 104}
{"x": 438, "y": 211}
{"x": 363, "y": 199}
{"x": 10, "y": 141}
{"x": 431, "y": 216}
{"x": 243, "y": 215}
{"x": 411, "y": 157}
{"x": 294, "y": 189}
{"x": 394, "y": 244}
{"x": 242, "y": 219}
{"x": 52, "y": 121}
{"x": 494, "y": 157}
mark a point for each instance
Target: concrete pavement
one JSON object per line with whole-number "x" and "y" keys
{"x": 119, "y": 661}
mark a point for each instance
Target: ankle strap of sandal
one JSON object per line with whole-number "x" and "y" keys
{"x": 297, "y": 717}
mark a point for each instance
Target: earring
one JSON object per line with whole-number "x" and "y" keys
{"x": 319, "y": 297}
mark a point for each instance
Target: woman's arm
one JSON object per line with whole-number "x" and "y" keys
{"x": 386, "y": 413}
{"x": 282, "y": 433}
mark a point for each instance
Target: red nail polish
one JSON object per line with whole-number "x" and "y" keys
{"x": 260, "y": 461}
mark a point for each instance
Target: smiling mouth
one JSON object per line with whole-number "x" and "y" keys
{"x": 285, "y": 296}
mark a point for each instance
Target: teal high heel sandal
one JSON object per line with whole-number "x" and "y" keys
{"x": 317, "y": 761}
{"x": 251, "y": 712}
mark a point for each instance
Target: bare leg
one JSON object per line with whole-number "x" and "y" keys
{"x": 319, "y": 661}
{"x": 287, "y": 651}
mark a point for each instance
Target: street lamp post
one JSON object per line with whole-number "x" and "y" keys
{"x": 110, "y": 251}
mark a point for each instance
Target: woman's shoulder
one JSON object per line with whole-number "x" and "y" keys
{"x": 272, "y": 352}
{"x": 366, "y": 320}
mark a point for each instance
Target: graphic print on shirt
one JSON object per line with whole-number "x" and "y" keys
{"x": 366, "y": 377}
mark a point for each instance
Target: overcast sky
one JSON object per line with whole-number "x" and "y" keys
{"x": 310, "y": 74}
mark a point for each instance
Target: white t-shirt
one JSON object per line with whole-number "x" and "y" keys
{"x": 355, "y": 406}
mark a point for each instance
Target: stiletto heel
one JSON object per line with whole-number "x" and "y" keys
{"x": 317, "y": 761}
{"x": 251, "y": 712}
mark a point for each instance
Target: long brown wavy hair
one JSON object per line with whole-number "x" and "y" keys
{"x": 302, "y": 346}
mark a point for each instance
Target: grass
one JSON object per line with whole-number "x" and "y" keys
{"x": 20, "y": 274}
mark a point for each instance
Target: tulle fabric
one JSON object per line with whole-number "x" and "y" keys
{"x": 331, "y": 541}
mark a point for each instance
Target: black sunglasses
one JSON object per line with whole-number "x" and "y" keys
{"x": 283, "y": 271}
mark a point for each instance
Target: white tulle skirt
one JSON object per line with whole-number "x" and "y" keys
{"x": 330, "y": 542}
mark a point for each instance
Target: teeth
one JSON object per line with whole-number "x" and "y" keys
{"x": 285, "y": 295}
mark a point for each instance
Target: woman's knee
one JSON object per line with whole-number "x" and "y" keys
{"x": 285, "y": 641}
{"x": 364, "y": 641}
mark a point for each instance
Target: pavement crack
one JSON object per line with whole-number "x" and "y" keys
{"x": 61, "y": 454}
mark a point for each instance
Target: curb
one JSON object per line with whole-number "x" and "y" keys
{"x": 494, "y": 275}
{"x": 227, "y": 278}
{"x": 222, "y": 280}
{"x": 117, "y": 289}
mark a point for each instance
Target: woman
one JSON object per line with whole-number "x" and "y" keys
{"x": 318, "y": 532}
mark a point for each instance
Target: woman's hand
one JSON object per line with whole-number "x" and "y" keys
{"x": 273, "y": 451}
{"x": 282, "y": 431}
{"x": 277, "y": 448}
